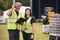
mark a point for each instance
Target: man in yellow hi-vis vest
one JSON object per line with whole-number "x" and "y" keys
{"x": 13, "y": 27}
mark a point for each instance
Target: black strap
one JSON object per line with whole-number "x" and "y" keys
{"x": 17, "y": 12}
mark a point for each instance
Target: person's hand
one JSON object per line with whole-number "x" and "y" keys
{"x": 13, "y": 6}
{"x": 21, "y": 28}
{"x": 32, "y": 36}
{"x": 21, "y": 23}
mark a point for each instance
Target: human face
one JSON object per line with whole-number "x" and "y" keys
{"x": 27, "y": 12}
{"x": 18, "y": 7}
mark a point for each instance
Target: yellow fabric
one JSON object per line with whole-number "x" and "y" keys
{"x": 28, "y": 26}
{"x": 11, "y": 21}
{"x": 49, "y": 15}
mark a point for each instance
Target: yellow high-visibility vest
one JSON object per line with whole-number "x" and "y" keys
{"x": 11, "y": 21}
{"x": 28, "y": 26}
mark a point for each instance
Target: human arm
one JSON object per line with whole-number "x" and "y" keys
{"x": 33, "y": 27}
{"x": 10, "y": 11}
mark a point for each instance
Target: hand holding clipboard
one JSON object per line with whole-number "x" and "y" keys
{"x": 20, "y": 21}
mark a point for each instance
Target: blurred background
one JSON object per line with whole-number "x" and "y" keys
{"x": 41, "y": 10}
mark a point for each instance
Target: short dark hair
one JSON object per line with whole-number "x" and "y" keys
{"x": 26, "y": 10}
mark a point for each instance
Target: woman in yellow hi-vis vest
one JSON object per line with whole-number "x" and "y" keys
{"x": 28, "y": 26}
{"x": 13, "y": 27}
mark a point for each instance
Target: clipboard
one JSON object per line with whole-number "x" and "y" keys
{"x": 20, "y": 20}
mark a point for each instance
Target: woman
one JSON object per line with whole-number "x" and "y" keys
{"x": 28, "y": 26}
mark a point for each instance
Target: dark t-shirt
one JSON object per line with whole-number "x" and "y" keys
{"x": 17, "y": 13}
{"x": 32, "y": 20}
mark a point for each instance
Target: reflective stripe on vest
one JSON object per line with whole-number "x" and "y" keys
{"x": 28, "y": 26}
{"x": 11, "y": 21}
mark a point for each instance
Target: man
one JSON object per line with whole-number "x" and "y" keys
{"x": 13, "y": 27}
